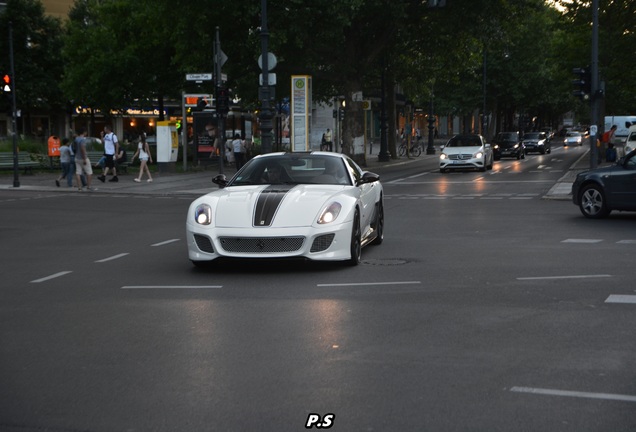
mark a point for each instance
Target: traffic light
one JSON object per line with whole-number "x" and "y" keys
{"x": 6, "y": 83}
{"x": 222, "y": 100}
{"x": 341, "y": 114}
{"x": 582, "y": 83}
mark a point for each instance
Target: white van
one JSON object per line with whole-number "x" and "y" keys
{"x": 623, "y": 123}
{"x": 630, "y": 144}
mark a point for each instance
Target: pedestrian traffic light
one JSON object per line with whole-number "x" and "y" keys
{"x": 6, "y": 83}
{"x": 582, "y": 83}
{"x": 341, "y": 114}
{"x": 222, "y": 100}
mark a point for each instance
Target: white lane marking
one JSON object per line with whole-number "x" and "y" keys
{"x": 369, "y": 283}
{"x": 626, "y": 242}
{"x": 114, "y": 257}
{"x": 166, "y": 242}
{"x": 617, "y": 298}
{"x": 566, "y": 277}
{"x": 171, "y": 286}
{"x": 581, "y": 241}
{"x": 53, "y": 276}
{"x": 588, "y": 395}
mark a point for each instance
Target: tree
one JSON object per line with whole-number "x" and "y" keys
{"x": 37, "y": 46}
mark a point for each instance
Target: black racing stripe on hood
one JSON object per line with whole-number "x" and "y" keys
{"x": 268, "y": 202}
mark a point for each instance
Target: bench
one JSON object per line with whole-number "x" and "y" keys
{"x": 24, "y": 161}
{"x": 94, "y": 156}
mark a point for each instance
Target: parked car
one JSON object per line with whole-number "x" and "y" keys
{"x": 537, "y": 142}
{"x": 508, "y": 144}
{"x": 573, "y": 138}
{"x": 599, "y": 191}
{"x": 630, "y": 143}
{"x": 315, "y": 206}
{"x": 466, "y": 151}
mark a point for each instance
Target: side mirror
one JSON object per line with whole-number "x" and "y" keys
{"x": 369, "y": 177}
{"x": 220, "y": 180}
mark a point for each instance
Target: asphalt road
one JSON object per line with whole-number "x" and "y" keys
{"x": 487, "y": 308}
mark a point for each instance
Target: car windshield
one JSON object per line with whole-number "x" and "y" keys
{"x": 573, "y": 134}
{"x": 295, "y": 168}
{"x": 464, "y": 141}
{"x": 507, "y": 136}
{"x": 532, "y": 136}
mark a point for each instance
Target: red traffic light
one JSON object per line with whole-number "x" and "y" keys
{"x": 6, "y": 83}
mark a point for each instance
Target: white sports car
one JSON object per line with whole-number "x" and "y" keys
{"x": 320, "y": 206}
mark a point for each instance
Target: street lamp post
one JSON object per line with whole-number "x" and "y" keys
{"x": 265, "y": 95}
{"x": 384, "y": 155}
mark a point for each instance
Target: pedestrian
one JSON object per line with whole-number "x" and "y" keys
{"x": 239, "y": 151}
{"x": 65, "y": 164}
{"x": 82, "y": 162}
{"x": 329, "y": 140}
{"x": 143, "y": 151}
{"x": 606, "y": 140}
{"x": 121, "y": 156}
{"x": 111, "y": 148}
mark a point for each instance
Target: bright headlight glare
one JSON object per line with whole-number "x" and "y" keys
{"x": 330, "y": 213}
{"x": 443, "y": 156}
{"x": 516, "y": 146}
{"x": 478, "y": 155}
{"x": 203, "y": 214}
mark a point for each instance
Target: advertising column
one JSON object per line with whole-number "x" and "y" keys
{"x": 300, "y": 112}
{"x": 167, "y": 145}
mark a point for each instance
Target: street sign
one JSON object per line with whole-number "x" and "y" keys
{"x": 199, "y": 77}
{"x": 191, "y": 100}
{"x": 271, "y": 79}
{"x": 366, "y": 105}
{"x": 271, "y": 61}
{"x": 221, "y": 58}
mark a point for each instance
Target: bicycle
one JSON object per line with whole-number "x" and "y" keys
{"x": 415, "y": 150}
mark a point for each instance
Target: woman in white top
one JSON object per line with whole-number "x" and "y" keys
{"x": 144, "y": 157}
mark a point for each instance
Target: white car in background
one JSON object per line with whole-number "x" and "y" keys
{"x": 318, "y": 206}
{"x": 466, "y": 151}
{"x": 573, "y": 138}
{"x": 630, "y": 143}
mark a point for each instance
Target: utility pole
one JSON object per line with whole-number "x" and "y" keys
{"x": 597, "y": 95}
{"x": 14, "y": 111}
{"x": 220, "y": 111}
{"x": 265, "y": 115}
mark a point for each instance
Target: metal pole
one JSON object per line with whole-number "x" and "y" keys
{"x": 384, "y": 155}
{"x": 265, "y": 114}
{"x": 596, "y": 99}
{"x": 220, "y": 118}
{"x": 16, "y": 170}
{"x": 184, "y": 131}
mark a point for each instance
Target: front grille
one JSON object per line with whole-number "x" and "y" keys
{"x": 322, "y": 242}
{"x": 261, "y": 244}
{"x": 460, "y": 156}
{"x": 204, "y": 243}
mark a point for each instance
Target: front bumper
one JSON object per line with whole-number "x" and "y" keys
{"x": 329, "y": 243}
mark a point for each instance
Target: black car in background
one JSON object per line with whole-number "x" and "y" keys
{"x": 599, "y": 191}
{"x": 508, "y": 144}
{"x": 537, "y": 142}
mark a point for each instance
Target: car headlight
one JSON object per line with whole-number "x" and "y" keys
{"x": 496, "y": 146}
{"x": 516, "y": 146}
{"x": 443, "y": 156}
{"x": 478, "y": 155}
{"x": 203, "y": 214}
{"x": 330, "y": 213}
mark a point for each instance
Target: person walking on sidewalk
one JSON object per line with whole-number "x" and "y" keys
{"x": 143, "y": 151}
{"x": 82, "y": 162}
{"x": 111, "y": 148}
{"x": 65, "y": 163}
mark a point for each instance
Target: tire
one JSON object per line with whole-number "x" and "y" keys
{"x": 356, "y": 241}
{"x": 592, "y": 202}
{"x": 417, "y": 151}
{"x": 379, "y": 225}
{"x": 202, "y": 264}
{"x": 523, "y": 155}
{"x": 402, "y": 150}
{"x": 442, "y": 170}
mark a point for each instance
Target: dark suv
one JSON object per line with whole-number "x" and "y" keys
{"x": 508, "y": 144}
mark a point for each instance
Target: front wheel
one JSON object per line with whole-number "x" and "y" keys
{"x": 592, "y": 202}
{"x": 356, "y": 242}
{"x": 417, "y": 151}
{"x": 402, "y": 150}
